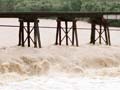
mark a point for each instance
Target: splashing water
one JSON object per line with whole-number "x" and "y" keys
{"x": 59, "y": 67}
{"x": 84, "y": 60}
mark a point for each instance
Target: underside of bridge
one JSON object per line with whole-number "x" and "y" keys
{"x": 31, "y": 35}
{"x": 99, "y": 32}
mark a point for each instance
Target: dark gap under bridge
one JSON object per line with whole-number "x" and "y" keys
{"x": 96, "y": 18}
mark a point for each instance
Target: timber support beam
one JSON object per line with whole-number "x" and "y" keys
{"x": 26, "y": 33}
{"x": 66, "y": 30}
{"x": 100, "y": 25}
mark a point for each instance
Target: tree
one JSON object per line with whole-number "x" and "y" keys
{"x": 71, "y": 5}
{"x": 76, "y": 5}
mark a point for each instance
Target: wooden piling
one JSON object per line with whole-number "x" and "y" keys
{"x": 66, "y": 31}
{"x": 35, "y": 35}
{"x": 93, "y": 32}
{"x": 100, "y": 33}
{"x": 28, "y": 30}
{"x": 73, "y": 33}
{"x": 20, "y": 32}
{"x": 102, "y": 23}
{"x": 28, "y": 33}
{"x": 38, "y": 34}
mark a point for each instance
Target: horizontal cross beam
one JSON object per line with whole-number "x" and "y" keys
{"x": 44, "y": 14}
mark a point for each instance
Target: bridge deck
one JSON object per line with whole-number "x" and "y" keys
{"x": 32, "y": 17}
{"x": 43, "y": 14}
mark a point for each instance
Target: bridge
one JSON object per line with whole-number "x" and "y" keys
{"x": 45, "y": 14}
{"x": 96, "y": 18}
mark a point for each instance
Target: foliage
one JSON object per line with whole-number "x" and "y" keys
{"x": 60, "y": 5}
{"x": 40, "y": 5}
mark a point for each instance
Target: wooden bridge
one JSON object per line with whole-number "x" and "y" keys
{"x": 96, "y": 18}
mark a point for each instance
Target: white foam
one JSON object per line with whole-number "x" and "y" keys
{"x": 57, "y": 67}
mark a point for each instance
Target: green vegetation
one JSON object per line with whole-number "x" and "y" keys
{"x": 101, "y": 5}
{"x": 40, "y": 5}
{"x": 61, "y": 5}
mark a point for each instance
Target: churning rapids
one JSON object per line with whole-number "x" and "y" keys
{"x": 86, "y": 67}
